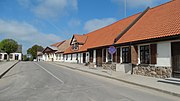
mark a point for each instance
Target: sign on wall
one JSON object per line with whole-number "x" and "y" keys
{"x": 112, "y": 50}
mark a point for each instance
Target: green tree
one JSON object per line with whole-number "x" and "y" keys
{"x": 8, "y": 46}
{"x": 33, "y": 50}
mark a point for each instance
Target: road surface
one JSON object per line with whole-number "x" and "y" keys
{"x": 41, "y": 81}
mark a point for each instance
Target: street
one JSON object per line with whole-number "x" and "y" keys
{"x": 41, "y": 81}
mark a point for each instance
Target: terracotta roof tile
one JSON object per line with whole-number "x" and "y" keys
{"x": 57, "y": 44}
{"x": 63, "y": 46}
{"x": 80, "y": 38}
{"x": 161, "y": 21}
{"x": 104, "y": 36}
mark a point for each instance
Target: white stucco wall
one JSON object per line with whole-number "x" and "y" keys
{"x": 2, "y": 58}
{"x": 59, "y": 57}
{"x": 73, "y": 60}
{"x": 164, "y": 54}
{"x": 13, "y": 56}
{"x": 94, "y": 56}
{"x": 87, "y": 57}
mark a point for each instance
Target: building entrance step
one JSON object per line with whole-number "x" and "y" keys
{"x": 175, "y": 81}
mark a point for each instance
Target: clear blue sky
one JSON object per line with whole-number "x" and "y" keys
{"x": 45, "y": 22}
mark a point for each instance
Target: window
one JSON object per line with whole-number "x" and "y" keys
{"x": 76, "y": 56}
{"x": 144, "y": 54}
{"x": 59, "y": 56}
{"x": 91, "y": 55}
{"x": 109, "y": 57}
{"x": 11, "y": 56}
{"x": 104, "y": 55}
{"x": 5, "y": 56}
{"x": 75, "y": 46}
{"x": 56, "y": 56}
{"x": 126, "y": 55}
{"x": 66, "y": 56}
{"x": 118, "y": 55}
{"x": 0, "y": 56}
{"x": 71, "y": 56}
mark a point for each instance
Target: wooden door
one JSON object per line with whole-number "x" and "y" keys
{"x": 84, "y": 57}
{"x": 16, "y": 57}
{"x": 99, "y": 57}
{"x": 175, "y": 59}
{"x": 5, "y": 56}
{"x": 118, "y": 55}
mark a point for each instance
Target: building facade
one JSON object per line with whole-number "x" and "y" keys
{"x": 146, "y": 43}
{"x": 12, "y": 56}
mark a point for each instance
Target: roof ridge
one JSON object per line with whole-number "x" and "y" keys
{"x": 113, "y": 23}
{"x": 131, "y": 24}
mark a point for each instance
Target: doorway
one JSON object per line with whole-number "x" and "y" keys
{"x": 84, "y": 57}
{"x": 175, "y": 59}
{"x": 16, "y": 56}
{"x": 5, "y": 56}
{"x": 99, "y": 57}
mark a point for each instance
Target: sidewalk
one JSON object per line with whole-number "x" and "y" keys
{"x": 6, "y": 66}
{"x": 143, "y": 81}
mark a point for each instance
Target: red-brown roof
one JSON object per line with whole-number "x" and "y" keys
{"x": 63, "y": 46}
{"x": 104, "y": 36}
{"x": 158, "y": 22}
{"x": 57, "y": 44}
{"x": 80, "y": 38}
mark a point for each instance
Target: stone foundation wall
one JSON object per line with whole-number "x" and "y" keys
{"x": 109, "y": 66}
{"x": 152, "y": 71}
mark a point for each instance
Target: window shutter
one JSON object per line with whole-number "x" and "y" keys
{"x": 104, "y": 55}
{"x": 114, "y": 57}
{"x": 118, "y": 55}
{"x": 134, "y": 54}
{"x": 153, "y": 48}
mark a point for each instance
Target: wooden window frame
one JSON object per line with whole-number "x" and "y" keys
{"x": 104, "y": 55}
{"x": 0, "y": 56}
{"x": 145, "y": 54}
{"x": 91, "y": 56}
{"x": 71, "y": 56}
{"x": 118, "y": 54}
{"x": 126, "y": 55}
{"x": 67, "y": 57}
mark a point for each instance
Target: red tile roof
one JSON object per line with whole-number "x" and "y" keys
{"x": 158, "y": 22}
{"x": 63, "y": 46}
{"x": 80, "y": 38}
{"x": 57, "y": 44}
{"x": 104, "y": 36}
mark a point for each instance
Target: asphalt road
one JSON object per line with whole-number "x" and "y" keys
{"x": 40, "y": 81}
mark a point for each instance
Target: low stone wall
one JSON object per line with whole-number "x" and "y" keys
{"x": 109, "y": 66}
{"x": 152, "y": 71}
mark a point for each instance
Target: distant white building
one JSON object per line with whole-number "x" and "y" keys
{"x": 13, "y": 56}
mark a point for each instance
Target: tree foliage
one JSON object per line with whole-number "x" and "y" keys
{"x": 8, "y": 46}
{"x": 33, "y": 50}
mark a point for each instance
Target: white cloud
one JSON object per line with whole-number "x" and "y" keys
{"x": 95, "y": 24}
{"x": 137, "y": 3}
{"x": 25, "y": 34}
{"x": 74, "y": 23}
{"x": 50, "y": 8}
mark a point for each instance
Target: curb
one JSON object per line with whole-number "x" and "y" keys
{"x": 8, "y": 69}
{"x": 111, "y": 77}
